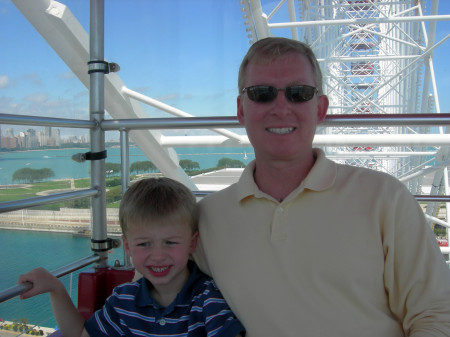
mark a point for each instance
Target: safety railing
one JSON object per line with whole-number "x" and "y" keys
{"x": 126, "y": 125}
{"x": 74, "y": 266}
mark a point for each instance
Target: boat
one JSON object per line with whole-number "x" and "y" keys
{"x": 386, "y": 115}
{"x": 83, "y": 233}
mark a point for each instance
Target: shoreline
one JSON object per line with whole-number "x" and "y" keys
{"x": 66, "y": 220}
{"x": 31, "y": 327}
{"x": 51, "y": 230}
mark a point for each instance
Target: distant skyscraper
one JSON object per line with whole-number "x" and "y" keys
{"x": 48, "y": 131}
{"x": 57, "y": 136}
{"x": 9, "y": 133}
{"x": 32, "y": 140}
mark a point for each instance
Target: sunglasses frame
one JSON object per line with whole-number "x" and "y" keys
{"x": 271, "y": 89}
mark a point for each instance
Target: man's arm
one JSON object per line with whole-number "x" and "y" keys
{"x": 69, "y": 320}
{"x": 416, "y": 278}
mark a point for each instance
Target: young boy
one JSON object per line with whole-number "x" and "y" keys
{"x": 158, "y": 218}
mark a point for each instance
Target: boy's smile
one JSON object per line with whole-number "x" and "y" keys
{"x": 159, "y": 271}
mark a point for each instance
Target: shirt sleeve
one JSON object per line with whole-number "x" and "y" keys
{"x": 417, "y": 280}
{"x": 218, "y": 318}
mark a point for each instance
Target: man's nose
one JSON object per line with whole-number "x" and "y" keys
{"x": 281, "y": 103}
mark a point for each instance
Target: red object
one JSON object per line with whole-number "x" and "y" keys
{"x": 442, "y": 242}
{"x": 95, "y": 285}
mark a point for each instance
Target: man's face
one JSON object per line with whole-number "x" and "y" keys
{"x": 280, "y": 129}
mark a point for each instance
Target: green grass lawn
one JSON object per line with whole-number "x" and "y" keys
{"x": 32, "y": 190}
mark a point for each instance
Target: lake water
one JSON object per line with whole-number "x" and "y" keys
{"x": 64, "y": 167}
{"x": 22, "y": 251}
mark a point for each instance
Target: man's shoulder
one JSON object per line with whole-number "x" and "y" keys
{"x": 362, "y": 170}
{"x": 222, "y": 194}
{"x": 365, "y": 175}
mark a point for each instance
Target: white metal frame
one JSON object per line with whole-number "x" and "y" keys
{"x": 372, "y": 67}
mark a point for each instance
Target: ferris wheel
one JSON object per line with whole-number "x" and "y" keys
{"x": 376, "y": 58}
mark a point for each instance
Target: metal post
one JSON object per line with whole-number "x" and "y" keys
{"x": 125, "y": 169}
{"x": 97, "y": 112}
{"x": 124, "y": 159}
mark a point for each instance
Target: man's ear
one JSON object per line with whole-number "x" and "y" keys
{"x": 240, "y": 111}
{"x": 322, "y": 108}
{"x": 194, "y": 240}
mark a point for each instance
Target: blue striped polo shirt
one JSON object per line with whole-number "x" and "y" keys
{"x": 198, "y": 310}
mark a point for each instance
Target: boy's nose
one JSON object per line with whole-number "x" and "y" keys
{"x": 157, "y": 253}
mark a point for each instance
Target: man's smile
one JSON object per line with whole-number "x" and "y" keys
{"x": 280, "y": 131}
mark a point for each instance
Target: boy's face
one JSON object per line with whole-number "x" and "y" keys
{"x": 161, "y": 252}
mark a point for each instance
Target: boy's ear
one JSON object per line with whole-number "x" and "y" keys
{"x": 193, "y": 242}
{"x": 126, "y": 246}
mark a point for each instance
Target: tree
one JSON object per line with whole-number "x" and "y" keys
{"x": 142, "y": 166}
{"x": 189, "y": 165}
{"x": 29, "y": 175}
{"x": 112, "y": 169}
{"x": 228, "y": 162}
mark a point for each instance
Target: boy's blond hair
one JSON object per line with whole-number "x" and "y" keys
{"x": 157, "y": 201}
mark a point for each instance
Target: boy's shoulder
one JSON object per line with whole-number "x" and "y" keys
{"x": 127, "y": 291}
{"x": 205, "y": 289}
{"x": 200, "y": 288}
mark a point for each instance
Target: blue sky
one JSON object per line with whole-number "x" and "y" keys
{"x": 185, "y": 53}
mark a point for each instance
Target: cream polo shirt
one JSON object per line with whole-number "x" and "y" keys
{"x": 348, "y": 253}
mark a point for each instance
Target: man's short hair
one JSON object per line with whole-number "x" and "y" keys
{"x": 271, "y": 48}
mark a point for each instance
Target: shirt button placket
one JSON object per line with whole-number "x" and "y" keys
{"x": 278, "y": 230}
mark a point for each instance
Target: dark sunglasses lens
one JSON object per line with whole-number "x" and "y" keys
{"x": 300, "y": 93}
{"x": 262, "y": 93}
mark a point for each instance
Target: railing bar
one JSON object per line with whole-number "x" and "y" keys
{"x": 38, "y": 201}
{"x": 223, "y": 121}
{"x": 387, "y": 119}
{"x": 202, "y": 193}
{"x": 232, "y": 122}
{"x": 429, "y": 198}
{"x": 170, "y": 123}
{"x": 50, "y": 199}
{"x": 46, "y": 121}
{"x": 74, "y": 266}
{"x": 433, "y": 198}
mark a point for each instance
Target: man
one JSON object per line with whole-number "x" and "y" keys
{"x": 302, "y": 246}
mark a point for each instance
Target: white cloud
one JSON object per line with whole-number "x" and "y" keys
{"x": 37, "y": 98}
{"x": 4, "y": 81}
{"x": 33, "y": 78}
{"x": 67, "y": 75}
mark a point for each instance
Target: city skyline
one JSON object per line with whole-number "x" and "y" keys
{"x": 35, "y": 139}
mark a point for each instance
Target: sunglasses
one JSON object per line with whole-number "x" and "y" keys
{"x": 267, "y": 93}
